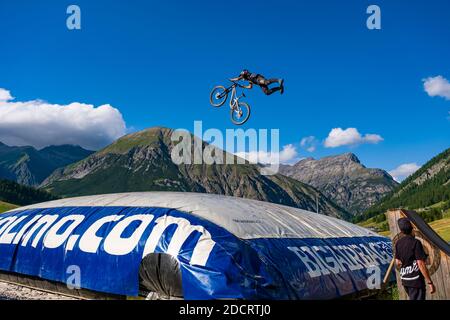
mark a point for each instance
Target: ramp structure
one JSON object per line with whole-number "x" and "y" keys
{"x": 436, "y": 248}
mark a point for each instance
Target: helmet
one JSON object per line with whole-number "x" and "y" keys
{"x": 244, "y": 72}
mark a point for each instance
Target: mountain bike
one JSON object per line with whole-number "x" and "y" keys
{"x": 239, "y": 110}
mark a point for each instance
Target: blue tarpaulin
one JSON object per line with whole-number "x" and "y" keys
{"x": 107, "y": 243}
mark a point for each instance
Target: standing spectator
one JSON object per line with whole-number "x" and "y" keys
{"x": 410, "y": 258}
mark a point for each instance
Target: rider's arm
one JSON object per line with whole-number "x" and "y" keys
{"x": 249, "y": 86}
{"x": 236, "y": 79}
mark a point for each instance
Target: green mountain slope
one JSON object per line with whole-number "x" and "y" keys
{"x": 427, "y": 186}
{"x": 14, "y": 193}
{"x": 29, "y": 166}
{"x": 142, "y": 162}
{"x": 4, "y": 206}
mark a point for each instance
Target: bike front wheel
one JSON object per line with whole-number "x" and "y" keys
{"x": 240, "y": 114}
{"x": 218, "y": 96}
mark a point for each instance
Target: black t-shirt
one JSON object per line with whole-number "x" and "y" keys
{"x": 252, "y": 77}
{"x": 408, "y": 250}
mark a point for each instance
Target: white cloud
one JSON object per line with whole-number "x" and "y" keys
{"x": 39, "y": 124}
{"x": 309, "y": 143}
{"x": 5, "y": 95}
{"x": 349, "y": 137}
{"x": 403, "y": 171}
{"x": 437, "y": 87}
{"x": 287, "y": 155}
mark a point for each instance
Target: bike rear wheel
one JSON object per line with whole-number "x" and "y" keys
{"x": 240, "y": 114}
{"x": 218, "y": 96}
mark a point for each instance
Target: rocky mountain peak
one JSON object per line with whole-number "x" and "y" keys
{"x": 349, "y": 156}
{"x": 344, "y": 179}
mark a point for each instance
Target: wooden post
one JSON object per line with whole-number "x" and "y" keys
{"x": 438, "y": 261}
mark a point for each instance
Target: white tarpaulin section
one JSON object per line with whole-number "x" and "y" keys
{"x": 245, "y": 218}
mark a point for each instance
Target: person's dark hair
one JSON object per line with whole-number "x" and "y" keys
{"x": 405, "y": 225}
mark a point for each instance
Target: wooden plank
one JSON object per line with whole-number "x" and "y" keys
{"x": 440, "y": 290}
{"x": 445, "y": 265}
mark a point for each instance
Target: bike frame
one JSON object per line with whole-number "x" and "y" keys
{"x": 234, "y": 99}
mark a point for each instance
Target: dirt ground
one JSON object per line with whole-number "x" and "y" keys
{"x": 13, "y": 292}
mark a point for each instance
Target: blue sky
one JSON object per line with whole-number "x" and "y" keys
{"x": 156, "y": 62}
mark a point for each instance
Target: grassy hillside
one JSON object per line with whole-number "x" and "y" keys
{"x": 441, "y": 226}
{"x": 4, "y": 206}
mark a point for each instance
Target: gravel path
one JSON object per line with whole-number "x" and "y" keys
{"x": 13, "y": 292}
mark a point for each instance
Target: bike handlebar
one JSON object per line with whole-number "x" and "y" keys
{"x": 237, "y": 84}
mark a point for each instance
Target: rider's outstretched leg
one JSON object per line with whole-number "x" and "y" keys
{"x": 266, "y": 84}
{"x": 270, "y": 81}
{"x": 268, "y": 91}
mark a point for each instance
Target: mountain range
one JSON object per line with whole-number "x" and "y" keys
{"x": 29, "y": 166}
{"x": 142, "y": 162}
{"x": 428, "y": 186}
{"x": 344, "y": 180}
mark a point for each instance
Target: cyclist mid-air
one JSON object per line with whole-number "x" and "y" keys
{"x": 260, "y": 80}
{"x": 240, "y": 110}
